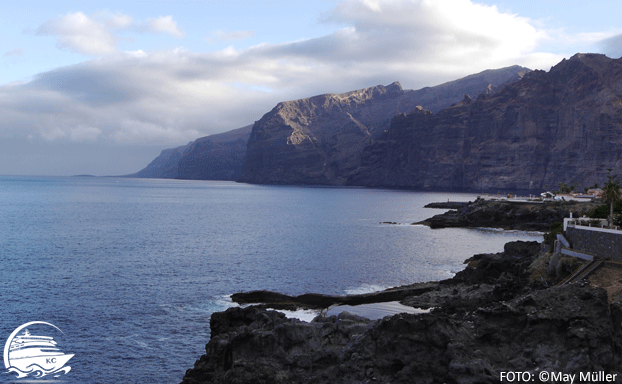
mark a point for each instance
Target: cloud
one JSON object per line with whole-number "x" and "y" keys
{"x": 80, "y": 33}
{"x": 230, "y": 36}
{"x": 449, "y": 33}
{"x": 164, "y": 24}
{"x": 175, "y": 96}
{"x": 612, "y": 46}
{"x": 14, "y": 52}
{"x": 98, "y": 34}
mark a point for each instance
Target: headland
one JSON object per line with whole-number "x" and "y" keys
{"x": 509, "y": 311}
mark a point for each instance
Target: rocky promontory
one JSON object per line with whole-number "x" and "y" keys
{"x": 502, "y": 313}
{"x": 508, "y": 214}
{"x": 214, "y": 157}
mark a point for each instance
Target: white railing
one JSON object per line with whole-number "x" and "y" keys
{"x": 601, "y": 225}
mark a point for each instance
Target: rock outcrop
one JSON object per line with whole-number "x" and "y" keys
{"x": 488, "y": 319}
{"x": 561, "y": 126}
{"x": 525, "y": 216}
{"x": 319, "y": 140}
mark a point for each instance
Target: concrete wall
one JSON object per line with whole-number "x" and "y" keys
{"x": 605, "y": 243}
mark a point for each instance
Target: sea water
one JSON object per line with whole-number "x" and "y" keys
{"x": 131, "y": 269}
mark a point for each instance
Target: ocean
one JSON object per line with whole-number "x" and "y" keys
{"x": 128, "y": 271}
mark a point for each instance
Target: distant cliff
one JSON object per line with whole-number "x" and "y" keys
{"x": 341, "y": 124}
{"x": 214, "y": 157}
{"x": 319, "y": 140}
{"x": 561, "y": 126}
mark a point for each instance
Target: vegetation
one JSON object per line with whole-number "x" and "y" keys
{"x": 612, "y": 211}
{"x": 602, "y": 211}
{"x": 611, "y": 193}
{"x": 550, "y": 237}
{"x": 565, "y": 188}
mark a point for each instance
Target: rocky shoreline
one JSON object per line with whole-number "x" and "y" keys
{"x": 502, "y": 313}
{"x": 507, "y": 214}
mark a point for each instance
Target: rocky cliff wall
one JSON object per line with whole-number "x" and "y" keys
{"x": 316, "y": 140}
{"x": 214, "y": 157}
{"x": 561, "y": 126}
{"x": 319, "y": 140}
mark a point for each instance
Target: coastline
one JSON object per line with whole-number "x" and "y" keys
{"x": 502, "y": 313}
{"x": 506, "y": 214}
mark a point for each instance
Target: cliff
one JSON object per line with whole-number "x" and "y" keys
{"x": 164, "y": 166}
{"x": 564, "y": 126}
{"x": 341, "y": 124}
{"x": 319, "y": 140}
{"x": 214, "y": 157}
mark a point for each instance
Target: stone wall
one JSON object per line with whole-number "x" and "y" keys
{"x": 605, "y": 243}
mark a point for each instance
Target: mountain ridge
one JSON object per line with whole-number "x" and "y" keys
{"x": 222, "y": 156}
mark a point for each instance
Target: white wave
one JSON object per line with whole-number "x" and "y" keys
{"x": 375, "y": 311}
{"x": 366, "y": 288}
{"x": 301, "y": 314}
{"x": 223, "y": 301}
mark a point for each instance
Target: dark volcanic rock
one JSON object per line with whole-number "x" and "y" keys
{"x": 448, "y": 205}
{"x": 566, "y": 329}
{"x": 487, "y": 320}
{"x": 564, "y": 126}
{"x": 509, "y": 215}
{"x": 320, "y": 301}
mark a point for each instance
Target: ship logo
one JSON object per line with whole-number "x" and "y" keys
{"x": 35, "y": 356}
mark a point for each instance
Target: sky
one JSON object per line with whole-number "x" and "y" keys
{"x": 94, "y": 87}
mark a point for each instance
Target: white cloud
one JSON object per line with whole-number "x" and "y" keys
{"x": 446, "y": 32}
{"x": 80, "y": 33}
{"x": 98, "y": 34}
{"x": 174, "y": 96}
{"x": 171, "y": 97}
{"x": 164, "y": 24}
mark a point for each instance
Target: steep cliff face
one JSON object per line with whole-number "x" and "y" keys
{"x": 316, "y": 140}
{"x": 561, "y": 126}
{"x": 319, "y": 140}
{"x": 164, "y": 166}
{"x": 214, "y": 157}
{"x": 442, "y": 96}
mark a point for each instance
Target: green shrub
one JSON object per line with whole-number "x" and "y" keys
{"x": 550, "y": 237}
{"x": 602, "y": 211}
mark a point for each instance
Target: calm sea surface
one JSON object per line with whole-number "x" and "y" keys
{"x": 131, "y": 269}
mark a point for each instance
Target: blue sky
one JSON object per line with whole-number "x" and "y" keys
{"x": 101, "y": 87}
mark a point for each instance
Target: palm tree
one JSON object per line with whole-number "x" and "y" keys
{"x": 611, "y": 193}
